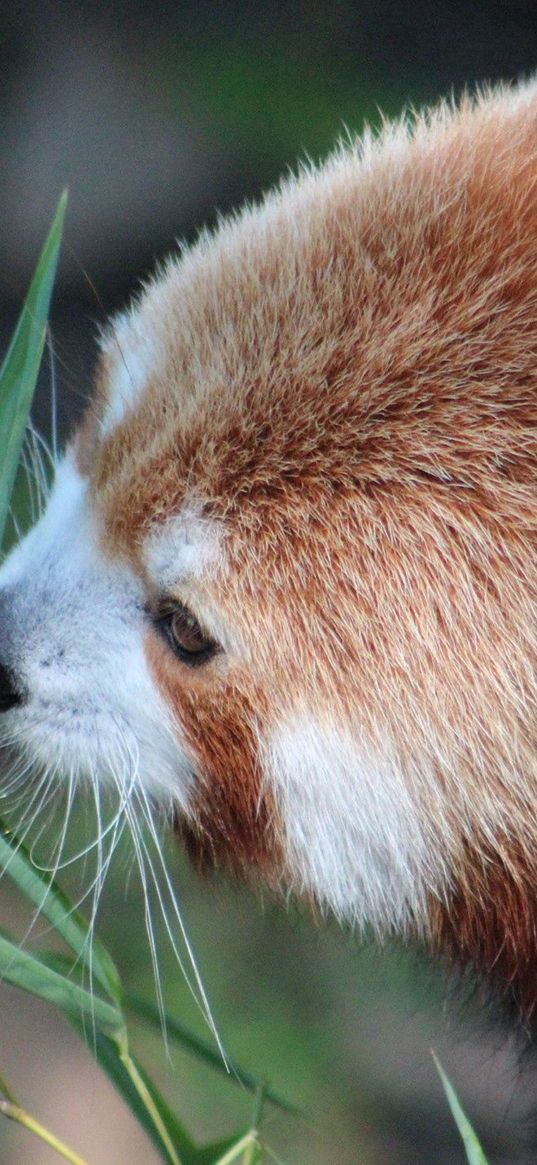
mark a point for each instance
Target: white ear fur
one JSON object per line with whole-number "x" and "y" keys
{"x": 133, "y": 360}
{"x": 352, "y": 832}
{"x": 63, "y": 508}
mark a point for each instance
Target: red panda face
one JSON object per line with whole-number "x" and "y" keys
{"x": 286, "y": 581}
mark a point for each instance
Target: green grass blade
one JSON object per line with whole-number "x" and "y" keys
{"x": 242, "y": 1145}
{"x": 15, "y": 1113}
{"x": 18, "y": 374}
{"x": 27, "y": 971}
{"x": 50, "y": 901}
{"x": 5, "y": 1091}
{"x": 146, "y": 1094}
{"x": 212, "y": 1153}
{"x": 474, "y": 1152}
{"x": 200, "y": 1048}
{"x": 107, "y": 1055}
{"x": 108, "y": 1042}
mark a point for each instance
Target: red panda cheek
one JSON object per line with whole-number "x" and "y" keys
{"x": 233, "y": 821}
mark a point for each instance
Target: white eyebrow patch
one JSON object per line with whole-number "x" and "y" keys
{"x": 186, "y": 546}
{"x": 133, "y": 360}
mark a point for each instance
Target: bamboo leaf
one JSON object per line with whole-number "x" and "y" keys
{"x": 203, "y": 1050}
{"x": 248, "y": 1141}
{"x": 18, "y": 374}
{"x": 474, "y": 1152}
{"x": 27, "y": 971}
{"x": 15, "y": 1113}
{"x": 147, "y": 1097}
{"x": 212, "y": 1153}
{"x": 5, "y": 1091}
{"x": 107, "y": 1055}
{"x": 50, "y": 901}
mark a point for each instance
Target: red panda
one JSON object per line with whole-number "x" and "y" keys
{"x": 286, "y": 582}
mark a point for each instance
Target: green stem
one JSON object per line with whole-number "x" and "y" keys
{"x": 5, "y": 1091}
{"x": 246, "y": 1143}
{"x": 15, "y": 1113}
{"x": 149, "y": 1105}
{"x": 251, "y": 1156}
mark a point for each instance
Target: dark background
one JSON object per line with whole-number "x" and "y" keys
{"x": 158, "y": 117}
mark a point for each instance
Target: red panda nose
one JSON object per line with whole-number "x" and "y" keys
{"x": 9, "y": 695}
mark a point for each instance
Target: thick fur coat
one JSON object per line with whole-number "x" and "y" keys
{"x": 312, "y": 458}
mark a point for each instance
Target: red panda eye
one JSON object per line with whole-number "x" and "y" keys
{"x": 185, "y": 636}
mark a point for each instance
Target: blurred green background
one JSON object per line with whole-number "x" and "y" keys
{"x": 158, "y": 117}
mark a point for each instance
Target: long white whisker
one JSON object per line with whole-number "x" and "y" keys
{"x": 52, "y": 777}
{"x": 15, "y": 521}
{"x": 47, "y": 784}
{"x": 15, "y": 775}
{"x": 135, "y": 833}
{"x": 30, "y": 479}
{"x": 28, "y": 817}
{"x": 92, "y": 846}
{"x": 38, "y": 467}
{"x": 131, "y": 766}
{"x": 44, "y": 447}
{"x": 53, "y": 869}
{"x": 53, "y": 396}
{"x": 202, "y": 999}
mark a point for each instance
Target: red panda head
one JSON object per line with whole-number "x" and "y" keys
{"x": 287, "y": 578}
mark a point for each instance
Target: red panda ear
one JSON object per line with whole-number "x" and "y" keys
{"x": 130, "y": 360}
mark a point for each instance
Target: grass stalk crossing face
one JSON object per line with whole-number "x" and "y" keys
{"x": 18, "y": 374}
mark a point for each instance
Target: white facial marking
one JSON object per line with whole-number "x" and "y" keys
{"x": 134, "y": 359}
{"x": 72, "y": 629}
{"x": 63, "y": 508}
{"x": 183, "y": 550}
{"x": 352, "y": 831}
{"x": 185, "y": 546}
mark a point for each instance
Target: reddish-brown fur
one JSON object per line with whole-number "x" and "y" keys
{"x": 490, "y": 922}
{"x": 350, "y": 389}
{"x": 232, "y": 824}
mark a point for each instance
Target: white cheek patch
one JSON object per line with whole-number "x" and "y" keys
{"x": 352, "y": 832}
{"x": 133, "y": 360}
{"x": 183, "y": 547}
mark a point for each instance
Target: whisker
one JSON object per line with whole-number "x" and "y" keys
{"x": 44, "y": 779}
{"x": 201, "y": 1000}
{"x": 46, "y": 453}
{"x": 134, "y": 830}
{"x": 15, "y": 521}
{"x": 36, "y": 458}
{"x": 53, "y": 396}
{"x": 39, "y": 908}
{"x": 92, "y": 846}
{"x": 131, "y": 808}
{"x": 30, "y": 481}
